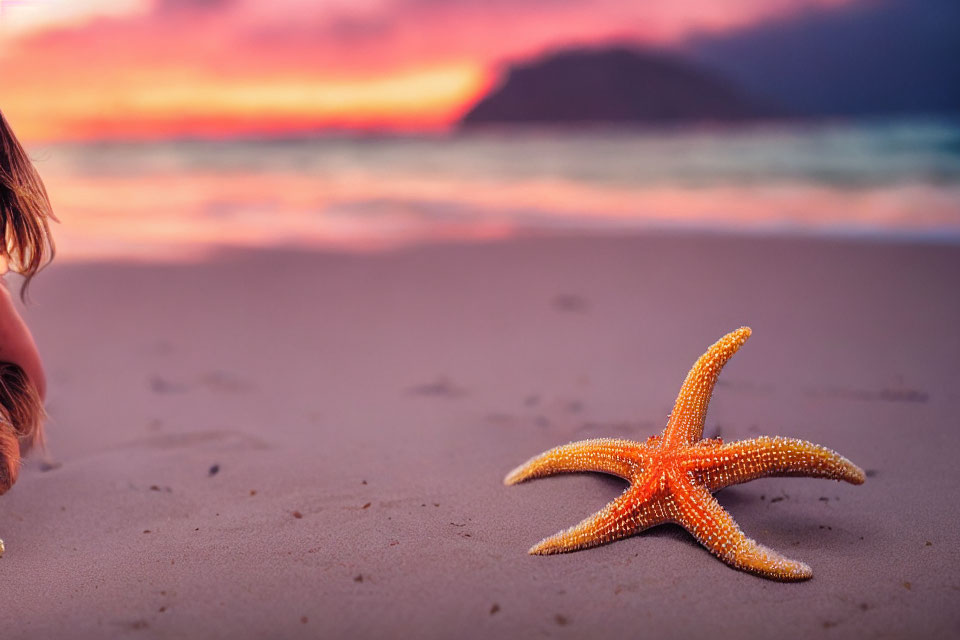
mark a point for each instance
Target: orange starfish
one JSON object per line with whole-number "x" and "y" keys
{"x": 672, "y": 476}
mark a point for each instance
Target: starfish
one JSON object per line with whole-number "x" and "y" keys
{"x": 673, "y": 475}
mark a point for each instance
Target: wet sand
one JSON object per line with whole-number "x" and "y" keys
{"x": 284, "y": 444}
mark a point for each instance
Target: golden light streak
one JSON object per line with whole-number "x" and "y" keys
{"x": 407, "y": 92}
{"x": 422, "y": 98}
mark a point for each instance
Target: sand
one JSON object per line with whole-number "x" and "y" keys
{"x": 293, "y": 445}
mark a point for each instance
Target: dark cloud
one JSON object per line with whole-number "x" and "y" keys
{"x": 489, "y": 4}
{"x": 868, "y": 57}
{"x": 358, "y": 28}
{"x": 343, "y": 26}
{"x": 163, "y": 7}
{"x": 339, "y": 30}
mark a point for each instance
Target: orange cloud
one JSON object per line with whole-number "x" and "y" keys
{"x": 153, "y": 104}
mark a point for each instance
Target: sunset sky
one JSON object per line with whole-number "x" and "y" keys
{"x": 83, "y": 69}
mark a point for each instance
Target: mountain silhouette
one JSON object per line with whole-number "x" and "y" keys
{"x": 613, "y": 85}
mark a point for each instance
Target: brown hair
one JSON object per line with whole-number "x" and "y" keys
{"x": 25, "y": 210}
{"x": 21, "y": 421}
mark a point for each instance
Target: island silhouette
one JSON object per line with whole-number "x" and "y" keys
{"x": 614, "y": 85}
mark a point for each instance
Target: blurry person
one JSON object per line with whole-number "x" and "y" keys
{"x": 27, "y": 247}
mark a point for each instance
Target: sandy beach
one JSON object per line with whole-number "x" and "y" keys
{"x": 282, "y": 444}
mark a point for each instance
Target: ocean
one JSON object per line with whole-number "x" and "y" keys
{"x": 186, "y": 199}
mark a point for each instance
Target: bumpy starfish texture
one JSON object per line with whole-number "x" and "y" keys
{"x": 673, "y": 475}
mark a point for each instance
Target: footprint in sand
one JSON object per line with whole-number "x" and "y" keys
{"x": 443, "y": 387}
{"x": 570, "y": 303}
{"x": 217, "y": 440}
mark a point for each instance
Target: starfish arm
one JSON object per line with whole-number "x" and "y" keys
{"x": 746, "y": 460}
{"x": 696, "y": 510}
{"x": 686, "y": 420}
{"x": 621, "y": 518}
{"x": 605, "y": 455}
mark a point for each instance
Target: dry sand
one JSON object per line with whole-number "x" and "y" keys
{"x": 284, "y": 445}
